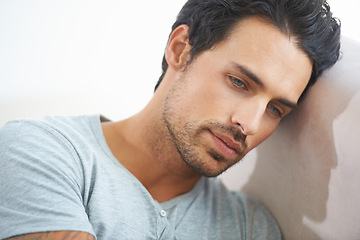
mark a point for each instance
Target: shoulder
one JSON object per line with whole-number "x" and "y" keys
{"x": 250, "y": 214}
{"x": 260, "y": 220}
{"x": 48, "y": 145}
{"x": 48, "y": 124}
{"x": 43, "y": 132}
{"x": 40, "y": 169}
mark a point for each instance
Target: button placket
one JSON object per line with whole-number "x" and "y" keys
{"x": 163, "y": 213}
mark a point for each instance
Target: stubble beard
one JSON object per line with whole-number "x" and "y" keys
{"x": 186, "y": 137}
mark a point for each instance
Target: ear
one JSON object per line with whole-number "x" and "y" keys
{"x": 177, "y": 51}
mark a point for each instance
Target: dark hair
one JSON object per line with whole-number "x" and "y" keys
{"x": 309, "y": 22}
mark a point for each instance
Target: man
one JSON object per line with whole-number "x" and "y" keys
{"x": 232, "y": 71}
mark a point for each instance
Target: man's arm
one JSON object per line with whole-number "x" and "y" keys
{"x": 58, "y": 235}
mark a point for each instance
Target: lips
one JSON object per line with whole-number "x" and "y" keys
{"x": 226, "y": 145}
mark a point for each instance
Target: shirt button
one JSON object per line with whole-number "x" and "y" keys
{"x": 163, "y": 213}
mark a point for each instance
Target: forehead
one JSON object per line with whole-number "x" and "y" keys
{"x": 273, "y": 56}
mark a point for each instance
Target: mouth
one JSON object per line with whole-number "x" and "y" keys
{"x": 226, "y": 145}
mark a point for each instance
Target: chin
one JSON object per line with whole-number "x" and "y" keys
{"x": 212, "y": 167}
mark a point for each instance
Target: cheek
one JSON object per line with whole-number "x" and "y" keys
{"x": 206, "y": 100}
{"x": 205, "y": 105}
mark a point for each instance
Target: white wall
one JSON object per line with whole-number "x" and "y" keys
{"x": 348, "y": 12}
{"x": 91, "y": 56}
{"x": 81, "y": 56}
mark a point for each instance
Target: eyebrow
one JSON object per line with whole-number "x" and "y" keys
{"x": 248, "y": 73}
{"x": 252, "y": 76}
{"x": 287, "y": 103}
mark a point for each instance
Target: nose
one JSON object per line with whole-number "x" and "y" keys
{"x": 248, "y": 118}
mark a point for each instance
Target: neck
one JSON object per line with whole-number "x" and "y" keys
{"x": 142, "y": 145}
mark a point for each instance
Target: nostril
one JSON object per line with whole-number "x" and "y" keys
{"x": 241, "y": 127}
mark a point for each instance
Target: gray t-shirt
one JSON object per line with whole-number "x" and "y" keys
{"x": 57, "y": 173}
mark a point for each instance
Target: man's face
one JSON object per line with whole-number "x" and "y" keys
{"x": 231, "y": 98}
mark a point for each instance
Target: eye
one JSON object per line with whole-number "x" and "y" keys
{"x": 274, "y": 110}
{"x": 238, "y": 83}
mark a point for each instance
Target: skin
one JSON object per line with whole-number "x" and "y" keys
{"x": 59, "y": 235}
{"x": 209, "y": 112}
{"x": 215, "y": 101}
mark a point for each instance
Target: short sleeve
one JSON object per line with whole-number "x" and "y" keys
{"x": 41, "y": 181}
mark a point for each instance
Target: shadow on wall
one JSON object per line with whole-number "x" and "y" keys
{"x": 294, "y": 166}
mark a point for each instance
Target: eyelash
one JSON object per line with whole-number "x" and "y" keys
{"x": 275, "y": 110}
{"x": 240, "y": 84}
